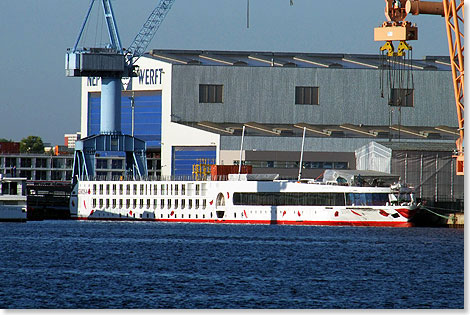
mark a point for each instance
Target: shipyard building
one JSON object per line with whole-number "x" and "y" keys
{"x": 190, "y": 107}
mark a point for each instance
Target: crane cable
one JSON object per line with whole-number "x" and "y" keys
{"x": 396, "y": 75}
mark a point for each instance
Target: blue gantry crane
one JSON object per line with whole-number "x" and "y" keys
{"x": 111, "y": 64}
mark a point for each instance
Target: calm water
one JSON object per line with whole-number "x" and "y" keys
{"x": 69, "y": 264}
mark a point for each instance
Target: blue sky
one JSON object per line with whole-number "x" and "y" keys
{"x": 37, "y": 99}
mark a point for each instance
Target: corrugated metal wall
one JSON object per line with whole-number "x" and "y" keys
{"x": 314, "y": 144}
{"x": 432, "y": 173}
{"x": 267, "y": 95}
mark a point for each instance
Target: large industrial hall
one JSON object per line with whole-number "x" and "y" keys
{"x": 192, "y": 106}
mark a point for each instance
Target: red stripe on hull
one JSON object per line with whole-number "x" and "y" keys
{"x": 323, "y": 223}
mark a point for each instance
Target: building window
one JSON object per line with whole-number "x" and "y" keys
{"x": 101, "y": 164}
{"x": 306, "y": 95}
{"x": 25, "y": 162}
{"x": 57, "y": 163}
{"x": 68, "y": 163}
{"x": 116, "y": 164}
{"x": 10, "y": 162}
{"x": 41, "y": 163}
{"x": 210, "y": 93}
{"x": 56, "y": 175}
{"x": 401, "y": 97}
{"x": 41, "y": 175}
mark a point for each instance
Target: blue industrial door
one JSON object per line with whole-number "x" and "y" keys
{"x": 183, "y": 158}
{"x": 147, "y": 115}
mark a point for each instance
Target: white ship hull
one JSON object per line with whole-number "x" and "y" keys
{"x": 251, "y": 202}
{"x": 13, "y": 213}
{"x": 13, "y": 199}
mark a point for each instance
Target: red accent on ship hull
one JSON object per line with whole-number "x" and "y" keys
{"x": 384, "y": 213}
{"x": 279, "y": 222}
{"x": 406, "y": 213}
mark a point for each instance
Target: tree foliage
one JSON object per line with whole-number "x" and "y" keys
{"x": 31, "y": 144}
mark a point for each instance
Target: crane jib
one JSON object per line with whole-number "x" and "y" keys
{"x": 148, "y": 30}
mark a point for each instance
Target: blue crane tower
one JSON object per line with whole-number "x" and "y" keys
{"x": 111, "y": 64}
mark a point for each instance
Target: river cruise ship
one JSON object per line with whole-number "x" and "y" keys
{"x": 340, "y": 198}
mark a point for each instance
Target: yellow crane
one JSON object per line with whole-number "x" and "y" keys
{"x": 397, "y": 29}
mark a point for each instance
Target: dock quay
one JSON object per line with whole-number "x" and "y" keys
{"x": 441, "y": 215}
{"x": 456, "y": 220}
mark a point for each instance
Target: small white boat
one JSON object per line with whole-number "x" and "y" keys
{"x": 13, "y": 199}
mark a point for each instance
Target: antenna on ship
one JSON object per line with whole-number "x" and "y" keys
{"x": 301, "y": 155}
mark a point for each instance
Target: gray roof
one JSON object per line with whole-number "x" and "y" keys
{"x": 288, "y": 59}
{"x": 436, "y": 133}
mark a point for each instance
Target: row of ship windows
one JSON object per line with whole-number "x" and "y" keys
{"x": 113, "y": 203}
{"x": 310, "y": 199}
{"x": 150, "y": 216}
{"x": 153, "y": 216}
{"x": 144, "y": 189}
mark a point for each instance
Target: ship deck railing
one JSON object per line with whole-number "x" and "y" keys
{"x": 167, "y": 178}
{"x": 208, "y": 178}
